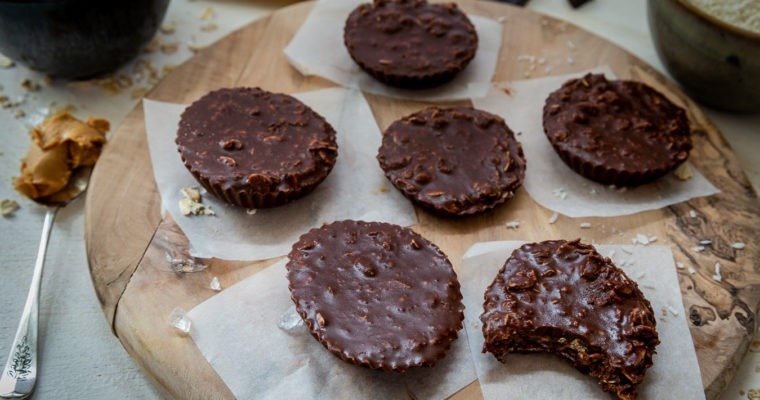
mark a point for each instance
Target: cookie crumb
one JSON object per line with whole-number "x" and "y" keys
{"x": 683, "y": 172}
{"x": 8, "y": 207}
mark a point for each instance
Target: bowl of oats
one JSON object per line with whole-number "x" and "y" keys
{"x": 712, "y": 47}
{"x": 77, "y": 38}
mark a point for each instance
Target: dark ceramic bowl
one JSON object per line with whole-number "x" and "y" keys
{"x": 77, "y": 38}
{"x": 717, "y": 63}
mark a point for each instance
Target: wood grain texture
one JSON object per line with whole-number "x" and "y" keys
{"x": 128, "y": 242}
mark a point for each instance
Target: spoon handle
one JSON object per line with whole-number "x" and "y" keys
{"x": 20, "y": 372}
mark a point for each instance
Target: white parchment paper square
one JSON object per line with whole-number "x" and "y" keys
{"x": 674, "y": 375}
{"x": 551, "y": 183}
{"x": 238, "y": 333}
{"x": 318, "y": 49}
{"x": 355, "y": 189}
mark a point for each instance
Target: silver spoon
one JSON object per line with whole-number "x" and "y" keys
{"x": 20, "y": 372}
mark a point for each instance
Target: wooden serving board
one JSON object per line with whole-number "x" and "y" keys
{"x": 128, "y": 240}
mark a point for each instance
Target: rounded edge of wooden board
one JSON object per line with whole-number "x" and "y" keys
{"x": 95, "y": 237}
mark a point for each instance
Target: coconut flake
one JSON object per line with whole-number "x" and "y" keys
{"x": 738, "y": 246}
{"x": 514, "y": 224}
{"x": 717, "y": 275}
{"x": 553, "y": 218}
{"x": 585, "y": 225}
{"x": 693, "y": 214}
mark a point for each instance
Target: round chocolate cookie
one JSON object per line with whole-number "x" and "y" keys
{"x": 564, "y": 298}
{"x": 410, "y": 43}
{"x": 254, "y": 148}
{"x": 621, "y": 133}
{"x": 453, "y": 161}
{"x": 376, "y": 294}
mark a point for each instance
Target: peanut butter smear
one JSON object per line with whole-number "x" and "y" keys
{"x": 59, "y": 146}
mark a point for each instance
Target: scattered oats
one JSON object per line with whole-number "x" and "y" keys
{"x": 585, "y": 225}
{"x": 195, "y": 47}
{"x": 755, "y": 346}
{"x": 738, "y": 245}
{"x": 57, "y": 109}
{"x": 169, "y": 48}
{"x": 152, "y": 46}
{"x": 384, "y": 190}
{"x": 30, "y": 85}
{"x": 526, "y": 57}
{"x": 215, "y": 285}
{"x": 680, "y": 265}
{"x": 691, "y": 270}
{"x": 553, "y": 218}
{"x": 514, "y": 224}
{"x": 570, "y": 61}
{"x": 19, "y": 113}
{"x": 717, "y": 275}
{"x": 652, "y": 239}
{"x": 571, "y": 45}
{"x": 168, "y": 68}
{"x": 250, "y": 211}
{"x": 191, "y": 193}
{"x": 8, "y": 207}
{"x": 209, "y": 27}
{"x": 673, "y": 310}
{"x": 190, "y": 203}
{"x": 139, "y": 93}
{"x": 6, "y": 62}
{"x": 179, "y": 321}
{"x": 114, "y": 84}
{"x": 693, "y": 214}
{"x": 683, "y": 172}
{"x": 705, "y": 242}
{"x": 501, "y": 20}
{"x": 5, "y": 102}
{"x": 698, "y": 249}
{"x": 753, "y": 394}
{"x": 208, "y": 13}
{"x": 168, "y": 29}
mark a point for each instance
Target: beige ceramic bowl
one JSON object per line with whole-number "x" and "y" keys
{"x": 717, "y": 63}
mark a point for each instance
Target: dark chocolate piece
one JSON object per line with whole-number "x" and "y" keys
{"x": 453, "y": 161}
{"x": 254, "y": 148}
{"x": 578, "y": 3}
{"x": 376, "y": 294}
{"x": 410, "y": 43}
{"x": 621, "y": 133}
{"x": 564, "y": 298}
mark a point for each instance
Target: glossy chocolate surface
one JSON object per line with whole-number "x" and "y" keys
{"x": 453, "y": 161}
{"x": 616, "y": 132}
{"x": 410, "y": 43}
{"x": 564, "y": 298}
{"x": 248, "y": 142}
{"x": 376, "y": 294}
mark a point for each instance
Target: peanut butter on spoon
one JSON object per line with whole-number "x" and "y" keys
{"x": 59, "y": 146}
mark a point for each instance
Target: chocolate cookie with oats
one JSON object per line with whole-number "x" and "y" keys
{"x": 376, "y": 294}
{"x": 564, "y": 298}
{"x": 410, "y": 43}
{"x": 621, "y": 133}
{"x": 453, "y": 161}
{"x": 255, "y": 149}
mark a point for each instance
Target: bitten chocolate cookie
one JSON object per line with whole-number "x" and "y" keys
{"x": 376, "y": 294}
{"x": 564, "y": 298}
{"x": 254, "y": 148}
{"x": 621, "y": 133}
{"x": 410, "y": 43}
{"x": 453, "y": 161}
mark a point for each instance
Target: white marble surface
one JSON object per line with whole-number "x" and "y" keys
{"x": 80, "y": 358}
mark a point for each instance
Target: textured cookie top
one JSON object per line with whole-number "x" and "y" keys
{"x": 453, "y": 161}
{"x": 376, "y": 294}
{"x": 562, "y": 291}
{"x": 623, "y": 126}
{"x": 248, "y": 136}
{"x": 410, "y": 38}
